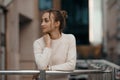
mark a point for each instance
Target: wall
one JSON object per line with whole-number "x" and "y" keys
{"x": 20, "y": 37}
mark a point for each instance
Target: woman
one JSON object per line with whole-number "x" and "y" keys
{"x": 55, "y": 50}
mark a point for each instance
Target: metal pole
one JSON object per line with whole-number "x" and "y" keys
{"x": 42, "y": 75}
{"x": 113, "y": 74}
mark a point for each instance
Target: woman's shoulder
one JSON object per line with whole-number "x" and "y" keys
{"x": 69, "y": 36}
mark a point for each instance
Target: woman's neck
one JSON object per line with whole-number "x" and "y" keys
{"x": 55, "y": 35}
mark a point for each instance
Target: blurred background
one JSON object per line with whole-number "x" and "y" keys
{"x": 95, "y": 24}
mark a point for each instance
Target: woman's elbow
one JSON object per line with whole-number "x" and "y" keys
{"x": 72, "y": 66}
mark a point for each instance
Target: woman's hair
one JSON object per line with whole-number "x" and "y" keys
{"x": 60, "y": 15}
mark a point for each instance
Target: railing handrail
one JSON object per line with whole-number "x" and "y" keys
{"x": 103, "y": 62}
{"x": 29, "y": 72}
{"x": 111, "y": 64}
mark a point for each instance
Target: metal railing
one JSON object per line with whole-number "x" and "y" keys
{"x": 43, "y": 73}
{"x": 97, "y": 70}
{"x": 105, "y": 66}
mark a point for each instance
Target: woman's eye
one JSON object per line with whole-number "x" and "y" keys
{"x": 46, "y": 20}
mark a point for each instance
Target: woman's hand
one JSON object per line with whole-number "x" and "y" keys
{"x": 47, "y": 40}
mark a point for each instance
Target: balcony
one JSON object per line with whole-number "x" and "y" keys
{"x": 97, "y": 70}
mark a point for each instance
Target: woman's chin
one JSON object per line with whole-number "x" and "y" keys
{"x": 44, "y": 32}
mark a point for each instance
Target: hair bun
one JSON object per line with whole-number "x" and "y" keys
{"x": 64, "y": 13}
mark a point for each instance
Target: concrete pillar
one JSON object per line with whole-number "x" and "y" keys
{"x": 12, "y": 40}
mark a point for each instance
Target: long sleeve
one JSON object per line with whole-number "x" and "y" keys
{"x": 71, "y": 57}
{"x": 42, "y": 56}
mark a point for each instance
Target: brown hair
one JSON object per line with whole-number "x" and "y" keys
{"x": 60, "y": 15}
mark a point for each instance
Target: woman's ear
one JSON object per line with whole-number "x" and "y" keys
{"x": 57, "y": 23}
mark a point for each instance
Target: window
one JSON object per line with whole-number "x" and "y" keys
{"x": 77, "y": 22}
{"x": 45, "y": 4}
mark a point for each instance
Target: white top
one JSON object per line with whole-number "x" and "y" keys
{"x": 61, "y": 55}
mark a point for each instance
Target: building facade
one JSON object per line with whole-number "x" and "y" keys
{"x": 22, "y": 27}
{"x": 112, "y": 31}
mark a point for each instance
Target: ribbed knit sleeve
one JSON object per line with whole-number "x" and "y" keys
{"x": 42, "y": 55}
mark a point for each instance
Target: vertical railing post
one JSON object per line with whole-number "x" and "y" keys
{"x": 42, "y": 75}
{"x": 113, "y": 74}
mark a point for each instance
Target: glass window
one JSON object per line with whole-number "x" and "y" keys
{"x": 77, "y": 22}
{"x": 45, "y": 4}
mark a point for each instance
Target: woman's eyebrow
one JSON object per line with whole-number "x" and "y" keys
{"x": 45, "y": 18}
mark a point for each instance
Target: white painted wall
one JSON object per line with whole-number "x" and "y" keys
{"x": 95, "y": 22}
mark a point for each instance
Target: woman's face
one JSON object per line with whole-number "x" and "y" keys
{"x": 48, "y": 23}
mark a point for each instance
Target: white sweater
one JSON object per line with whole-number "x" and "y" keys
{"x": 61, "y": 55}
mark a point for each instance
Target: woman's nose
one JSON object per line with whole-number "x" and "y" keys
{"x": 43, "y": 23}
